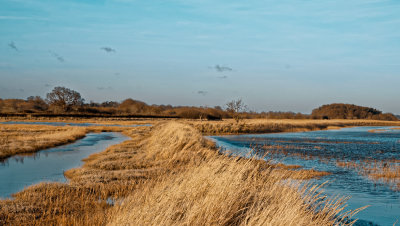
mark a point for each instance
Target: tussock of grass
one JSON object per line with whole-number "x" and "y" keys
{"x": 226, "y": 192}
{"x": 167, "y": 175}
{"x": 54, "y": 204}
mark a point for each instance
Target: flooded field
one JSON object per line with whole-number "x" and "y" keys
{"x": 364, "y": 163}
{"x": 21, "y": 171}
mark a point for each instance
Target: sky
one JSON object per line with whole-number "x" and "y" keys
{"x": 275, "y": 55}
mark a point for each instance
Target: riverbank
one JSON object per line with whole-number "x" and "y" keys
{"x": 24, "y": 139}
{"x": 20, "y": 139}
{"x": 229, "y": 127}
{"x": 169, "y": 174}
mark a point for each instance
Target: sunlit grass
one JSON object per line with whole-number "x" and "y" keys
{"x": 167, "y": 175}
{"x": 387, "y": 171}
{"x": 22, "y": 139}
{"x": 279, "y": 125}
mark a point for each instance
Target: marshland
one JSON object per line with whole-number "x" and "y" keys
{"x": 170, "y": 172}
{"x": 199, "y": 112}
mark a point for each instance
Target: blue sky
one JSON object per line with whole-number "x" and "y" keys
{"x": 275, "y": 55}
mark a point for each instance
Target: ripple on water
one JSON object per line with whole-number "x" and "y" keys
{"x": 321, "y": 150}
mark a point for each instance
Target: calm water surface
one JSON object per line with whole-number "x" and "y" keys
{"x": 349, "y": 144}
{"x": 49, "y": 165}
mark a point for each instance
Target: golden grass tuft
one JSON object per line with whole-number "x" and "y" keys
{"x": 224, "y": 191}
{"x": 54, "y": 204}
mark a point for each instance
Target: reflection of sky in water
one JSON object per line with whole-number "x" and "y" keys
{"x": 49, "y": 165}
{"x": 349, "y": 144}
{"x": 67, "y": 124}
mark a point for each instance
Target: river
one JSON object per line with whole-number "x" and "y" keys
{"x": 48, "y": 165}
{"x": 322, "y": 150}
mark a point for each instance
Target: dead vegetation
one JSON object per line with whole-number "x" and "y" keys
{"x": 22, "y": 139}
{"x": 18, "y": 139}
{"x": 387, "y": 171}
{"x": 167, "y": 175}
{"x": 279, "y": 125}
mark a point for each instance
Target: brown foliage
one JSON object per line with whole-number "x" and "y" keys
{"x": 350, "y": 111}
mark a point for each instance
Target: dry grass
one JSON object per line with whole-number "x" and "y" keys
{"x": 226, "y": 192}
{"x": 387, "y": 171}
{"x": 27, "y": 139}
{"x": 54, "y": 204}
{"x": 104, "y": 121}
{"x": 377, "y": 130}
{"x": 169, "y": 174}
{"x": 21, "y": 139}
{"x": 279, "y": 125}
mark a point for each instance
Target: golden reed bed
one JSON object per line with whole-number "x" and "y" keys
{"x": 169, "y": 174}
{"x": 22, "y": 139}
{"x": 27, "y": 139}
{"x": 387, "y": 171}
{"x": 279, "y": 125}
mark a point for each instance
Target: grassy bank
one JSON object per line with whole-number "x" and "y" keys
{"x": 169, "y": 174}
{"x": 22, "y": 139}
{"x": 104, "y": 121}
{"x": 28, "y": 139}
{"x": 279, "y": 125}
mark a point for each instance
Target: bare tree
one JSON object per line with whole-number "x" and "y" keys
{"x": 235, "y": 107}
{"x": 64, "y": 98}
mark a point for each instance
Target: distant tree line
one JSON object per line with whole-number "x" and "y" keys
{"x": 65, "y": 101}
{"x": 350, "y": 111}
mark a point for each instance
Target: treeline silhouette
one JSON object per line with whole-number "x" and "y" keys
{"x": 62, "y": 101}
{"x": 350, "y": 111}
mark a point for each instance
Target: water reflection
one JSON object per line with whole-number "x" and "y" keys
{"x": 49, "y": 165}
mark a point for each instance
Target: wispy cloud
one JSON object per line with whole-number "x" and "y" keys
{"x": 57, "y": 57}
{"x": 220, "y": 68}
{"x": 108, "y": 49}
{"x": 202, "y": 92}
{"x": 13, "y": 46}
